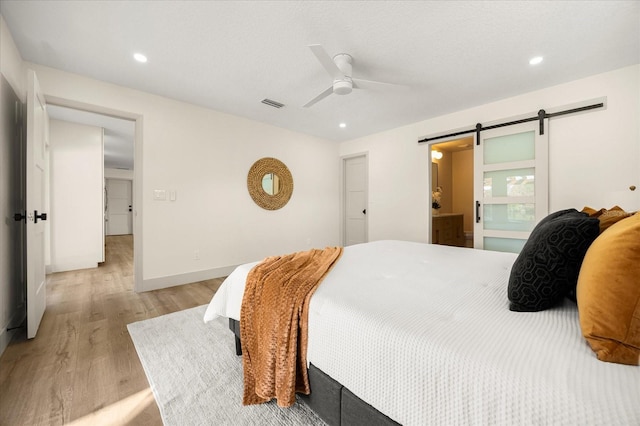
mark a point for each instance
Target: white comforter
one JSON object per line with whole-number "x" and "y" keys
{"x": 424, "y": 334}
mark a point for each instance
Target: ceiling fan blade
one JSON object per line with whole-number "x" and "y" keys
{"x": 320, "y": 97}
{"x": 326, "y": 61}
{"x": 359, "y": 83}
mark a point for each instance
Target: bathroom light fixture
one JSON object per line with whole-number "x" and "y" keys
{"x": 140, "y": 57}
{"x": 343, "y": 125}
{"x": 535, "y": 61}
{"x": 436, "y": 155}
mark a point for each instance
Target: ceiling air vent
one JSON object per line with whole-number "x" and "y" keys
{"x": 272, "y": 103}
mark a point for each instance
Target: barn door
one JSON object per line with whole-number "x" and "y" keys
{"x": 510, "y": 185}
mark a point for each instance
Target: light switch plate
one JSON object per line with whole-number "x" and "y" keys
{"x": 159, "y": 194}
{"x": 172, "y": 195}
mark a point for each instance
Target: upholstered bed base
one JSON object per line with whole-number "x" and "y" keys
{"x": 334, "y": 403}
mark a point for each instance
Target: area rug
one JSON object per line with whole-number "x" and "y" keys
{"x": 196, "y": 377}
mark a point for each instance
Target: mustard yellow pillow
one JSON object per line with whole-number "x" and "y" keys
{"x": 608, "y": 293}
{"x": 607, "y": 217}
{"x": 593, "y": 212}
{"x": 611, "y": 216}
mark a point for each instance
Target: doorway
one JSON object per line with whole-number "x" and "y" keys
{"x": 114, "y": 168}
{"x": 498, "y": 184}
{"x": 85, "y": 148}
{"x": 452, "y": 192}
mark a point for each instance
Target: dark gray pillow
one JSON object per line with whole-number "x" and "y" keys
{"x": 547, "y": 268}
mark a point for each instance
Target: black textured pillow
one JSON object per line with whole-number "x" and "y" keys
{"x": 547, "y": 268}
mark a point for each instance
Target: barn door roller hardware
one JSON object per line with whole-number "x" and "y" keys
{"x": 542, "y": 115}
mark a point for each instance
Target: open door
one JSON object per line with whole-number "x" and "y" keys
{"x": 36, "y": 171}
{"x": 511, "y": 185}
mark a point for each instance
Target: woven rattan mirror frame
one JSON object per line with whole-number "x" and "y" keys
{"x": 254, "y": 183}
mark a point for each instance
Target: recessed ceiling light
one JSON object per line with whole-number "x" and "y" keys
{"x": 343, "y": 125}
{"x": 140, "y": 57}
{"x": 535, "y": 61}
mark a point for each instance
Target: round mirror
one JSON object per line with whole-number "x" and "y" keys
{"x": 270, "y": 183}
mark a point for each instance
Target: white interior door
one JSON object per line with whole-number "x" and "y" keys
{"x": 510, "y": 185}
{"x": 119, "y": 207}
{"x": 355, "y": 200}
{"x": 36, "y": 171}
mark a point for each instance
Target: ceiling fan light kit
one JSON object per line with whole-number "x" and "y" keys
{"x": 342, "y": 87}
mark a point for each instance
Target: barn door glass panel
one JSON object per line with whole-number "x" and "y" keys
{"x": 510, "y": 186}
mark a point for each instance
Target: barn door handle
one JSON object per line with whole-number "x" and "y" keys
{"x": 18, "y": 217}
{"x": 477, "y": 211}
{"x": 364, "y": 211}
{"x": 37, "y": 216}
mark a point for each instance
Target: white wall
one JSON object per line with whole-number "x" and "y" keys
{"x": 204, "y": 156}
{"x": 445, "y": 181}
{"x": 11, "y": 62}
{"x": 76, "y": 219}
{"x": 593, "y": 157}
{"x": 462, "y": 184}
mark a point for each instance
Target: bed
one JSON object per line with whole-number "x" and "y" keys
{"x": 423, "y": 334}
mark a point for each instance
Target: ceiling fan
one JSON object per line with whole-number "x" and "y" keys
{"x": 340, "y": 68}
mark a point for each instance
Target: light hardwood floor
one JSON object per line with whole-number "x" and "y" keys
{"x": 82, "y": 367}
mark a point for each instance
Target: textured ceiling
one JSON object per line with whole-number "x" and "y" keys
{"x": 228, "y": 56}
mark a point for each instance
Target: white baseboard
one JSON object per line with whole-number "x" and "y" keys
{"x": 187, "y": 278}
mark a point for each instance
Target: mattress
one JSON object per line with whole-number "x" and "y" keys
{"x": 424, "y": 334}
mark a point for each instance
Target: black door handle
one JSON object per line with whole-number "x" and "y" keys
{"x": 37, "y": 216}
{"x": 364, "y": 211}
{"x": 477, "y": 211}
{"x": 18, "y": 217}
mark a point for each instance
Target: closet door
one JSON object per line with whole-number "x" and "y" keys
{"x": 355, "y": 175}
{"x": 510, "y": 185}
{"x": 119, "y": 207}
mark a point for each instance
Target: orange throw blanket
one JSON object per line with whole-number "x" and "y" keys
{"x": 273, "y": 324}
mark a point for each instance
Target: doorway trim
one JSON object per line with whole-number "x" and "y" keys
{"x": 137, "y": 173}
{"x": 430, "y": 145}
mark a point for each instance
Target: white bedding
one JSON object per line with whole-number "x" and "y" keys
{"x": 424, "y": 334}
